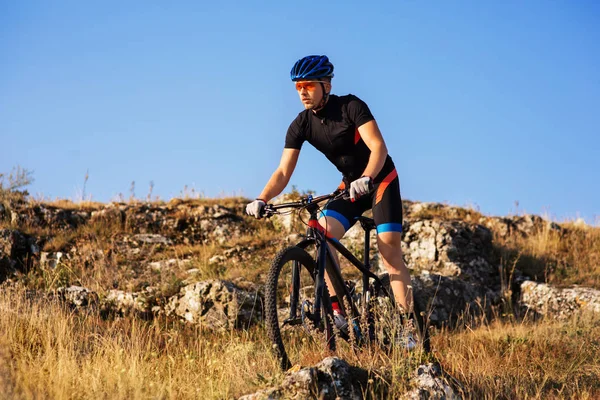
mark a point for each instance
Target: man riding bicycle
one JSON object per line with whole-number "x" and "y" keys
{"x": 345, "y": 131}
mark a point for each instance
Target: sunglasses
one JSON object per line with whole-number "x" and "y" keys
{"x": 308, "y": 85}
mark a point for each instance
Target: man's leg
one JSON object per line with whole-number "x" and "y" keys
{"x": 390, "y": 247}
{"x": 335, "y": 230}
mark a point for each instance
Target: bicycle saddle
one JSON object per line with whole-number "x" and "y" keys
{"x": 367, "y": 223}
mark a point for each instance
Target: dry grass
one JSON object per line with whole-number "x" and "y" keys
{"x": 229, "y": 202}
{"x": 52, "y": 352}
{"x": 567, "y": 257}
{"x": 526, "y": 360}
{"x": 58, "y": 354}
{"x": 66, "y": 204}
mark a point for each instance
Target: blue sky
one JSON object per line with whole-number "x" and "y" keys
{"x": 480, "y": 103}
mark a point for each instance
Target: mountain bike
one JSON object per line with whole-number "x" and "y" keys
{"x": 297, "y": 301}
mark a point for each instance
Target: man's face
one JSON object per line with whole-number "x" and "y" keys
{"x": 311, "y": 92}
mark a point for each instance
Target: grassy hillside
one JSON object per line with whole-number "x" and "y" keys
{"x": 48, "y": 350}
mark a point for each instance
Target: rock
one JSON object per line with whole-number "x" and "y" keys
{"x": 148, "y": 238}
{"x": 126, "y": 303}
{"x": 523, "y": 226}
{"x": 560, "y": 303}
{"x": 217, "y": 259}
{"x": 451, "y": 248}
{"x": 50, "y": 216}
{"x": 112, "y": 212}
{"x": 331, "y": 379}
{"x": 289, "y": 222}
{"x": 218, "y": 212}
{"x": 430, "y": 383}
{"x": 444, "y": 299}
{"x": 216, "y": 304}
{"x": 77, "y": 296}
{"x": 17, "y": 251}
{"x": 50, "y": 260}
{"x": 334, "y": 378}
{"x": 166, "y": 264}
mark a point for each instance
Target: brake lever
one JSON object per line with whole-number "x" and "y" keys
{"x": 344, "y": 194}
{"x": 268, "y": 211}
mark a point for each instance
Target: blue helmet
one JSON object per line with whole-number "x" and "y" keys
{"x": 312, "y": 67}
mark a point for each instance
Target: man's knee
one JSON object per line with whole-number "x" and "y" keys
{"x": 333, "y": 227}
{"x": 390, "y": 240}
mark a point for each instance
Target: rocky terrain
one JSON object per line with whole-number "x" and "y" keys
{"x": 203, "y": 262}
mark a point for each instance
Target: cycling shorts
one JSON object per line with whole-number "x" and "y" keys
{"x": 384, "y": 200}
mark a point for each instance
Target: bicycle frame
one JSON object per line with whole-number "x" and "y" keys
{"x": 326, "y": 263}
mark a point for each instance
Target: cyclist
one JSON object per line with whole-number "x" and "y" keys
{"x": 345, "y": 131}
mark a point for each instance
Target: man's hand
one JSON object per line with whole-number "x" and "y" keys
{"x": 255, "y": 208}
{"x": 360, "y": 187}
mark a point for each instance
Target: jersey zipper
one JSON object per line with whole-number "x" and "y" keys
{"x": 326, "y": 130}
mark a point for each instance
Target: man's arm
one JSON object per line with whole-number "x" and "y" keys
{"x": 281, "y": 176}
{"x": 370, "y": 134}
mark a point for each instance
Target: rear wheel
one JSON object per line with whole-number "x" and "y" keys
{"x": 290, "y": 316}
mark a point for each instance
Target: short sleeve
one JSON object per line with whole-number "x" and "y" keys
{"x": 359, "y": 112}
{"x": 295, "y": 135}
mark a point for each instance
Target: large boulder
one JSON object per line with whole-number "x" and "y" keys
{"x": 331, "y": 379}
{"x": 216, "y": 304}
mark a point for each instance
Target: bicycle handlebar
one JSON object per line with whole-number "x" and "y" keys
{"x": 272, "y": 209}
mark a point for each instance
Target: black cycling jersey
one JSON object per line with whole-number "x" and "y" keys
{"x": 333, "y": 131}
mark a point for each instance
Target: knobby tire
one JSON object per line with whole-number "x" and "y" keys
{"x": 272, "y": 316}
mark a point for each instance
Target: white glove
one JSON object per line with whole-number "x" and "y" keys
{"x": 360, "y": 187}
{"x": 255, "y": 208}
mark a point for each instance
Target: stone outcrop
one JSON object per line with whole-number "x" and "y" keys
{"x": 216, "y": 304}
{"x": 44, "y": 216}
{"x": 177, "y": 221}
{"x": 546, "y": 300}
{"x": 453, "y": 269}
{"x": 449, "y": 251}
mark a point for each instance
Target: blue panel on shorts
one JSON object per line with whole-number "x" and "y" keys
{"x": 389, "y": 227}
{"x": 339, "y": 217}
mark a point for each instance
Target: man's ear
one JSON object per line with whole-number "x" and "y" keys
{"x": 327, "y": 87}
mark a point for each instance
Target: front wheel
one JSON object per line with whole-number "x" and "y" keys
{"x": 290, "y": 317}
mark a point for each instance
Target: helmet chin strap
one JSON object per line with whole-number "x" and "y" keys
{"x": 323, "y": 100}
